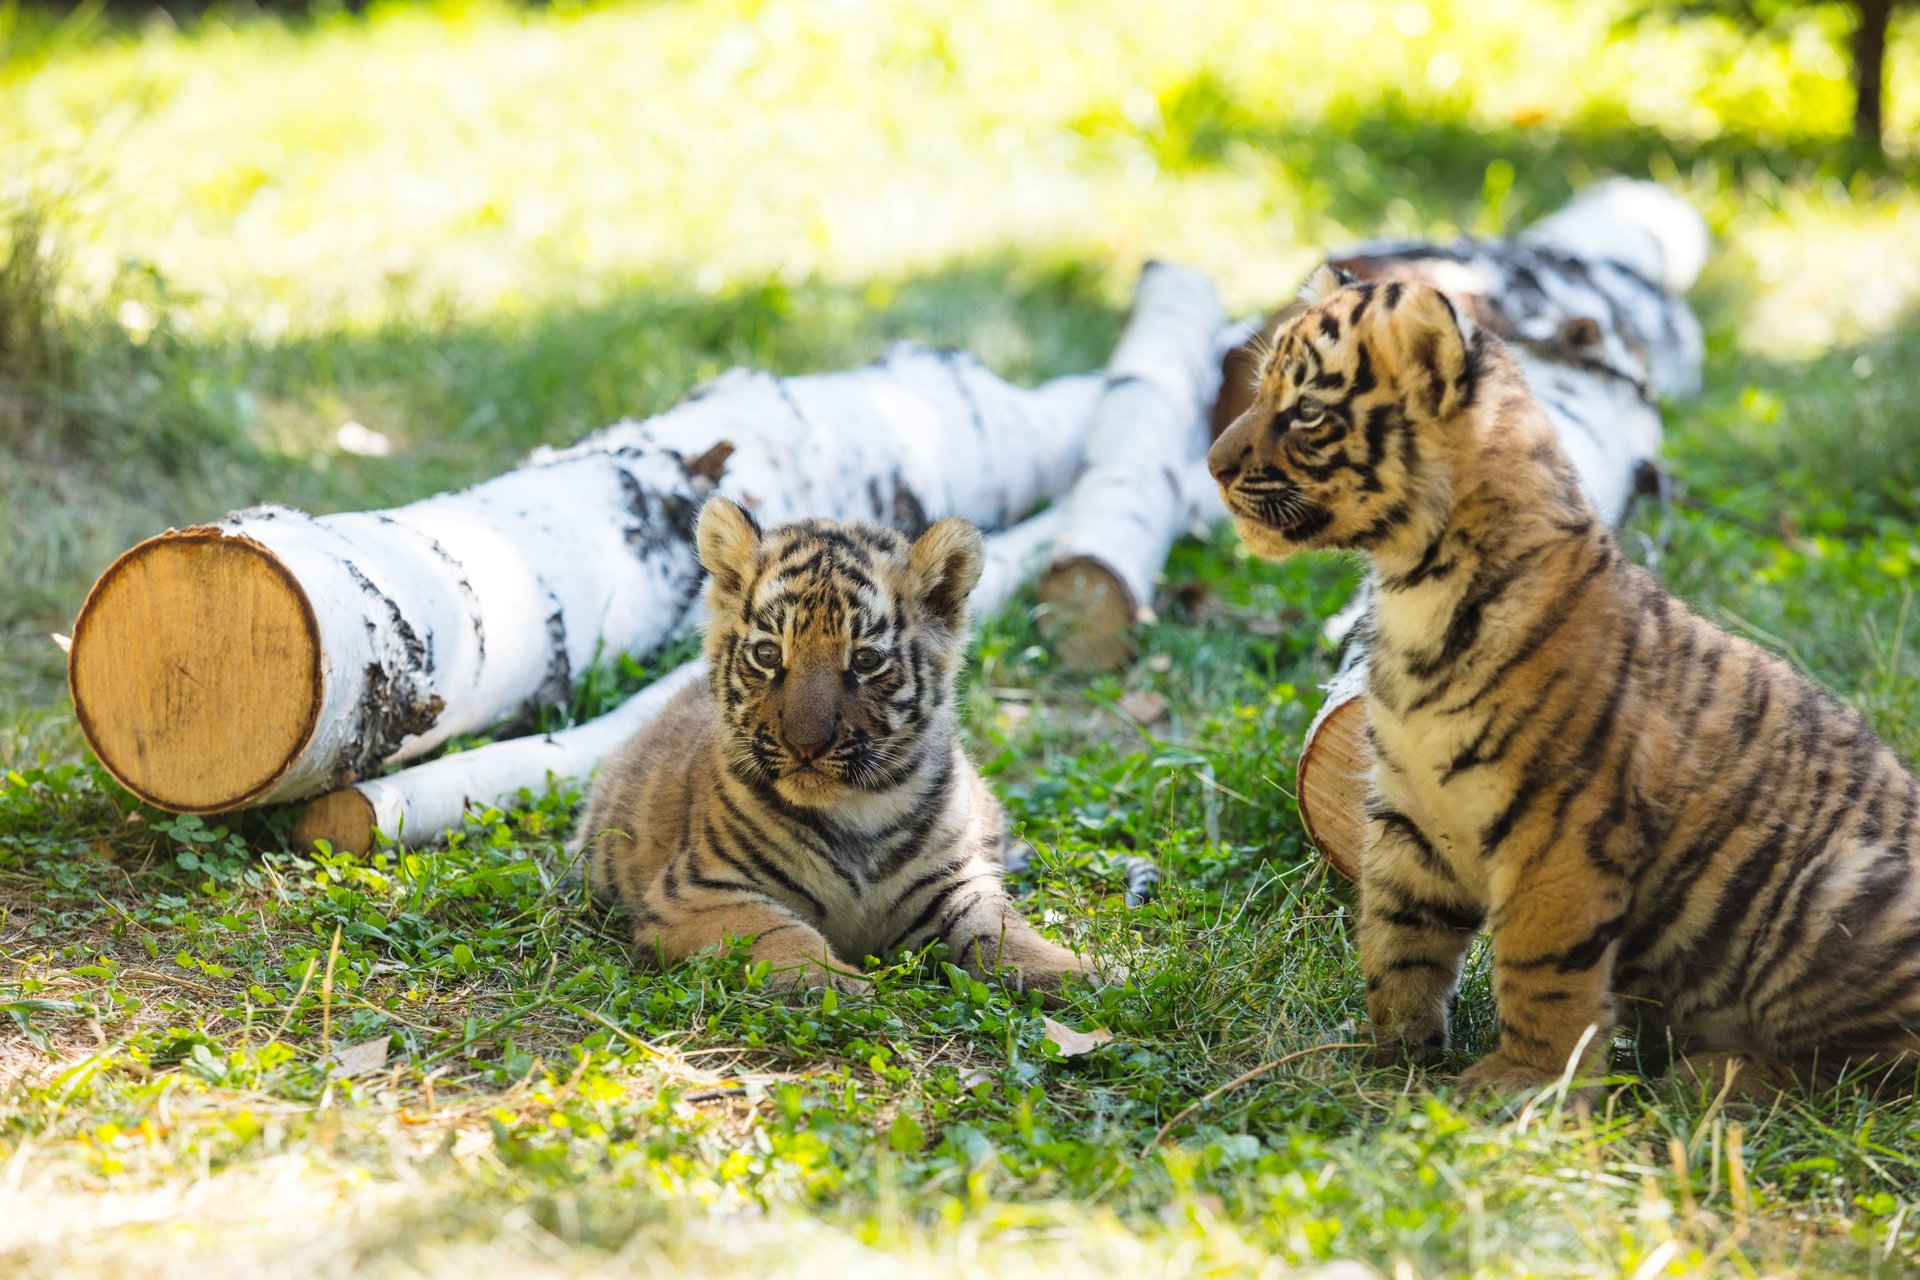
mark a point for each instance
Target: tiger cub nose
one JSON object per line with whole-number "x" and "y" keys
{"x": 1223, "y": 462}
{"x": 808, "y": 740}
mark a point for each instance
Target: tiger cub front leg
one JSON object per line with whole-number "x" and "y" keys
{"x": 987, "y": 935}
{"x": 1415, "y": 923}
{"x": 1556, "y": 926}
{"x": 798, "y": 955}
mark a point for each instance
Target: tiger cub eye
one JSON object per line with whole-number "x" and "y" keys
{"x": 767, "y": 653}
{"x": 867, "y": 659}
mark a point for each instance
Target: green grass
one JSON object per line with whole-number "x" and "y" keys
{"x": 476, "y": 229}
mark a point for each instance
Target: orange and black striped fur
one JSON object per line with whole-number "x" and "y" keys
{"x": 813, "y": 793}
{"x": 1661, "y": 825}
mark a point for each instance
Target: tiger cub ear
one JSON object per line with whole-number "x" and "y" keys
{"x": 1440, "y": 330}
{"x": 1326, "y": 279}
{"x": 942, "y": 569}
{"x": 728, "y": 538}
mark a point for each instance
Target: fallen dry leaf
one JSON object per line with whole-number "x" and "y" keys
{"x": 1073, "y": 1043}
{"x": 975, "y": 1075}
{"x": 1143, "y": 706}
{"x": 358, "y": 1059}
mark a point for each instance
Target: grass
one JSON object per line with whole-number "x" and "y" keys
{"x": 477, "y": 228}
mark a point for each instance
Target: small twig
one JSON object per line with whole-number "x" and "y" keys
{"x": 651, "y": 1050}
{"x": 1705, "y": 1123}
{"x": 1239, "y": 1080}
{"x": 150, "y": 975}
{"x": 1737, "y": 1179}
{"x": 326, "y": 994}
{"x": 293, "y": 1009}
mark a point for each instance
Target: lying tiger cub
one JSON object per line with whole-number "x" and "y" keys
{"x": 813, "y": 792}
{"x": 1639, "y": 806}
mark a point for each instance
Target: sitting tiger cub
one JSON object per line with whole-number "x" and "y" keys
{"x": 1639, "y": 806}
{"x": 812, "y": 792}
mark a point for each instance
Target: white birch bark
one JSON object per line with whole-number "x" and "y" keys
{"x": 1593, "y": 286}
{"x": 459, "y": 612}
{"x": 420, "y": 805}
{"x": 1126, "y": 506}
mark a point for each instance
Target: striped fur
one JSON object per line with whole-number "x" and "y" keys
{"x": 814, "y": 794}
{"x": 1663, "y": 826}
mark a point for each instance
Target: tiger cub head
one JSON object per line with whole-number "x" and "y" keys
{"x": 1347, "y": 443}
{"x": 833, "y": 648}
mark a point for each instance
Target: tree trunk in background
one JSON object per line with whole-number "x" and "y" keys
{"x": 1127, "y": 505}
{"x": 1870, "y": 69}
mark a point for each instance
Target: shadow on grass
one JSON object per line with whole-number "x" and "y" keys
{"x": 1364, "y": 158}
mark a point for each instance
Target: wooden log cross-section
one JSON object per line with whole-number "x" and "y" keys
{"x": 1589, "y": 300}
{"x": 275, "y": 655}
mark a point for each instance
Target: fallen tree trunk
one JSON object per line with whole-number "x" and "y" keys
{"x": 1126, "y": 506}
{"x": 1588, "y": 298}
{"x": 420, "y": 805}
{"x": 275, "y": 655}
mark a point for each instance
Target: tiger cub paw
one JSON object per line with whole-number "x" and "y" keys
{"x": 810, "y": 976}
{"x": 1423, "y": 1044}
{"x": 1051, "y": 976}
{"x": 1498, "y": 1075}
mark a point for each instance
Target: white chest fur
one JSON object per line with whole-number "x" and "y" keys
{"x": 1426, "y": 743}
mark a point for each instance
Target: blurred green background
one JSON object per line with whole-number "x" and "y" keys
{"x": 474, "y": 227}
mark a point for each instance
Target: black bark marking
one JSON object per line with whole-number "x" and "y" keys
{"x": 398, "y": 700}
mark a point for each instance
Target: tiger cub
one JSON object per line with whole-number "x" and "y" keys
{"x": 1642, "y": 809}
{"x": 812, "y": 793}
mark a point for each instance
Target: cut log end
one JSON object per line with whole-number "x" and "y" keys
{"x": 1089, "y": 615}
{"x": 343, "y": 818}
{"x": 196, "y": 671}
{"x": 1334, "y": 770}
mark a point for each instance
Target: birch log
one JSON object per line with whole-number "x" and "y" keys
{"x": 1589, "y": 300}
{"x": 276, "y": 655}
{"x": 420, "y": 805}
{"x": 1127, "y": 506}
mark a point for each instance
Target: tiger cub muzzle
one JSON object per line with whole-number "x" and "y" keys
{"x": 1266, "y": 494}
{"x": 814, "y": 729}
